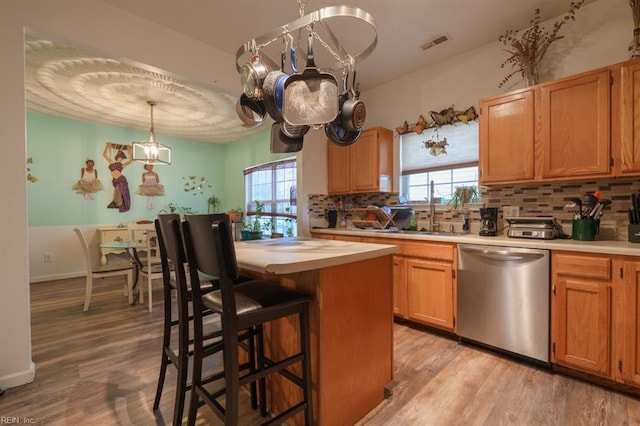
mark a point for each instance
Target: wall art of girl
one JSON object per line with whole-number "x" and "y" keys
{"x": 151, "y": 186}
{"x": 89, "y": 182}
{"x": 121, "y": 196}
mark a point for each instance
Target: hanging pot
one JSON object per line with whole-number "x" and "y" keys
{"x": 251, "y": 112}
{"x": 310, "y": 98}
{"x": 280, "y": 143}
{"x": 274, "y": 84}
{"x": 353, "y": 112}
{"x": 335, "y": 131}
{"x": 339, "y": 135}
{"x": 252, "y": 77}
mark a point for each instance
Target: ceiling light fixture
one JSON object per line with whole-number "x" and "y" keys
{"x": 151, "y": 151}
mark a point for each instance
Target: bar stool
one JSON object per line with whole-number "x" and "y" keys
{"x": 243, "y": 308}
{"x": 173, "y": 259}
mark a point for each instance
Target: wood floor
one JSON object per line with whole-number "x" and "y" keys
{"x": 100, "y": 368}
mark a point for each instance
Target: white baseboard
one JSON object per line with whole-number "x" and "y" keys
{"x": 53, "y": 277}
{"x": 19, "y": 378}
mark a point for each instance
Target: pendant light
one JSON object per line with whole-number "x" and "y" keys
{"x": 151, "y": 151}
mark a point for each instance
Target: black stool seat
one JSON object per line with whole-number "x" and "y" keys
{"x": 254, "y": 295}
{"x": 244, "y": 309}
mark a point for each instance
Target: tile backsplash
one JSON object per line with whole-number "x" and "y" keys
{"x": 548, "y": 199}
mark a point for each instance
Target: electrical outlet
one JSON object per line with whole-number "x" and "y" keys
{"x": 48, "y": 258}
{"x": 510, "y": 211}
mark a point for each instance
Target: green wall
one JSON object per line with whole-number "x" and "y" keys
{"x": 240, "y": 155}
{"x": 59, "y": 148}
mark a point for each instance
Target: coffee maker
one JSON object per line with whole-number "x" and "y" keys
{"x": 488, "y": 221}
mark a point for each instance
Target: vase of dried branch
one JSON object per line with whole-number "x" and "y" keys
{"x": 634, "y": 46}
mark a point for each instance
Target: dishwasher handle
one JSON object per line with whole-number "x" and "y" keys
{"x": 502, "y": 254}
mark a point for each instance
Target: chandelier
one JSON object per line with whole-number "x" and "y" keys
{"x": 151, "y": 151}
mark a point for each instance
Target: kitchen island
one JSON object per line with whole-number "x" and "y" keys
{"x": 351, "y": 321}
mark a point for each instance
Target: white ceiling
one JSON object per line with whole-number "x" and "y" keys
{"x": 70, "y": 82}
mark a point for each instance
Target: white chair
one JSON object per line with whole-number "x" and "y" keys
{"x": 150, "y": 266}
{"x": 102, "y": 271}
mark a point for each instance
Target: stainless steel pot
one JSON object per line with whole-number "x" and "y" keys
{"x": 310, "y": 98}
{"x": 250, "y": 111}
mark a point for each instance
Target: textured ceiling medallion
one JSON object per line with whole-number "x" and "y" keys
{"x": 73, "y": 83}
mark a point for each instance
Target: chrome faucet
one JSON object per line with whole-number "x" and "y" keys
{"x": 433, "y": 225}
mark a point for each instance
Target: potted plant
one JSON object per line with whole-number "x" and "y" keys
{"x": 462, "y": 195}
{"x": 212, "y": 204}
{"x": 288, "y": 224}
{"x": 235, "y": 215}
{"x": 255, "y": 226}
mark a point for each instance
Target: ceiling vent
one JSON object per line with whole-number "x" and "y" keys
{"x": 439, "y": 39}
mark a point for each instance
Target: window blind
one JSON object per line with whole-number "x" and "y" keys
{"x": 462, "y": 148}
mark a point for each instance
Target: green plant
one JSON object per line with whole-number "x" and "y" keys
{"x": 464, "y": 194}
{"x": 212, "y": 204}
{"x": 288, "y": 224}
{"x": 256, "y": 224}
{"x": 174, "y": 207}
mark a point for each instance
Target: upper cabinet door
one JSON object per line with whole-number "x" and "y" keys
{"x": 339, "y": 168}
{"x": 630, "y": 118}
{"x": 574, "y": 126}
{"x": 507, "y": 138}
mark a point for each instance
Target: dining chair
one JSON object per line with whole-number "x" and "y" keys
{"x": 150, "y": 267}
{"x": 102, "y": 271}
{"x": 147, "y": 257}
{"x": 175, "y": 280}
{"x": 244, "y": 307}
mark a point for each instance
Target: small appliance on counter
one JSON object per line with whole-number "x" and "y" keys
{"x": 488, "y": 221}
{"x": 537, "y": 227}
{"x": 332, "y": 217}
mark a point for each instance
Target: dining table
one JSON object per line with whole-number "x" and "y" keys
{"x": 131, "y": 248}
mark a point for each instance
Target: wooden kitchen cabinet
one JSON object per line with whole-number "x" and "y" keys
{"x": 629, "y": 118}
{"x": 629, "y": 348}
{"x": 574, "y": 126}
{"x": 399, "y": 287}
{"x": 555, "y": 131}
{"x": 581, "y": 312}
{"x": 424, "y": 282}
{"x": 365, "y": 166}
{"x": 429, "y": 286}
{"x": 507, "y": 138}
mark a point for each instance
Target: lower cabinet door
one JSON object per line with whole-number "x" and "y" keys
{"x": 430, "y": 292}
{"x": 399, "y": 288}
{"x": 631, "y": 309}
{"x": 582, "y": 316}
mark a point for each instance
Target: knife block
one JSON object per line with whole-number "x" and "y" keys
{"x": 634, "y": 233}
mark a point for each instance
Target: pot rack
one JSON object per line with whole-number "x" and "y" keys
{"x": 321, "y": 16}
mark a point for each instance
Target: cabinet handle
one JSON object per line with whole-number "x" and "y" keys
{"x": 553, "y": 288}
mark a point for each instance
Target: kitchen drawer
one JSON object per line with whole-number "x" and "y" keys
{"x": 582, "y": 265}
{"x": 426, "y": 249}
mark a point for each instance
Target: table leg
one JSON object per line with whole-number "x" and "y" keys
{"x": 137, "y": 264}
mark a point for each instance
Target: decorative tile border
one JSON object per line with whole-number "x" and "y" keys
{"x": 548, "y": 199}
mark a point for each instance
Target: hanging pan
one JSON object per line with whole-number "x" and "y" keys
{"x": 250, "y": 111}
{"x": 280, "y": 143}
{"x": 310, "y": 98}
{"x": 342, "y": 130}
{"x": 353, "y": 112}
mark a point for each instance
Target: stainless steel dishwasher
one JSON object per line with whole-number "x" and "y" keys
{"x": 503, "y": 299}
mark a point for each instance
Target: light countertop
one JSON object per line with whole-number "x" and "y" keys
{"x": 298, "y": 254}
{"x": 624, "y": 248}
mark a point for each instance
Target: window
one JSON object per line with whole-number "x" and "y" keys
{"x": 416, "y": 187}
{"x": 274, "y": 185}
{"x": 456, "y": 165}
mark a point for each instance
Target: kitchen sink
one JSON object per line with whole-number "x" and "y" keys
{"x": 444, "y": 233}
